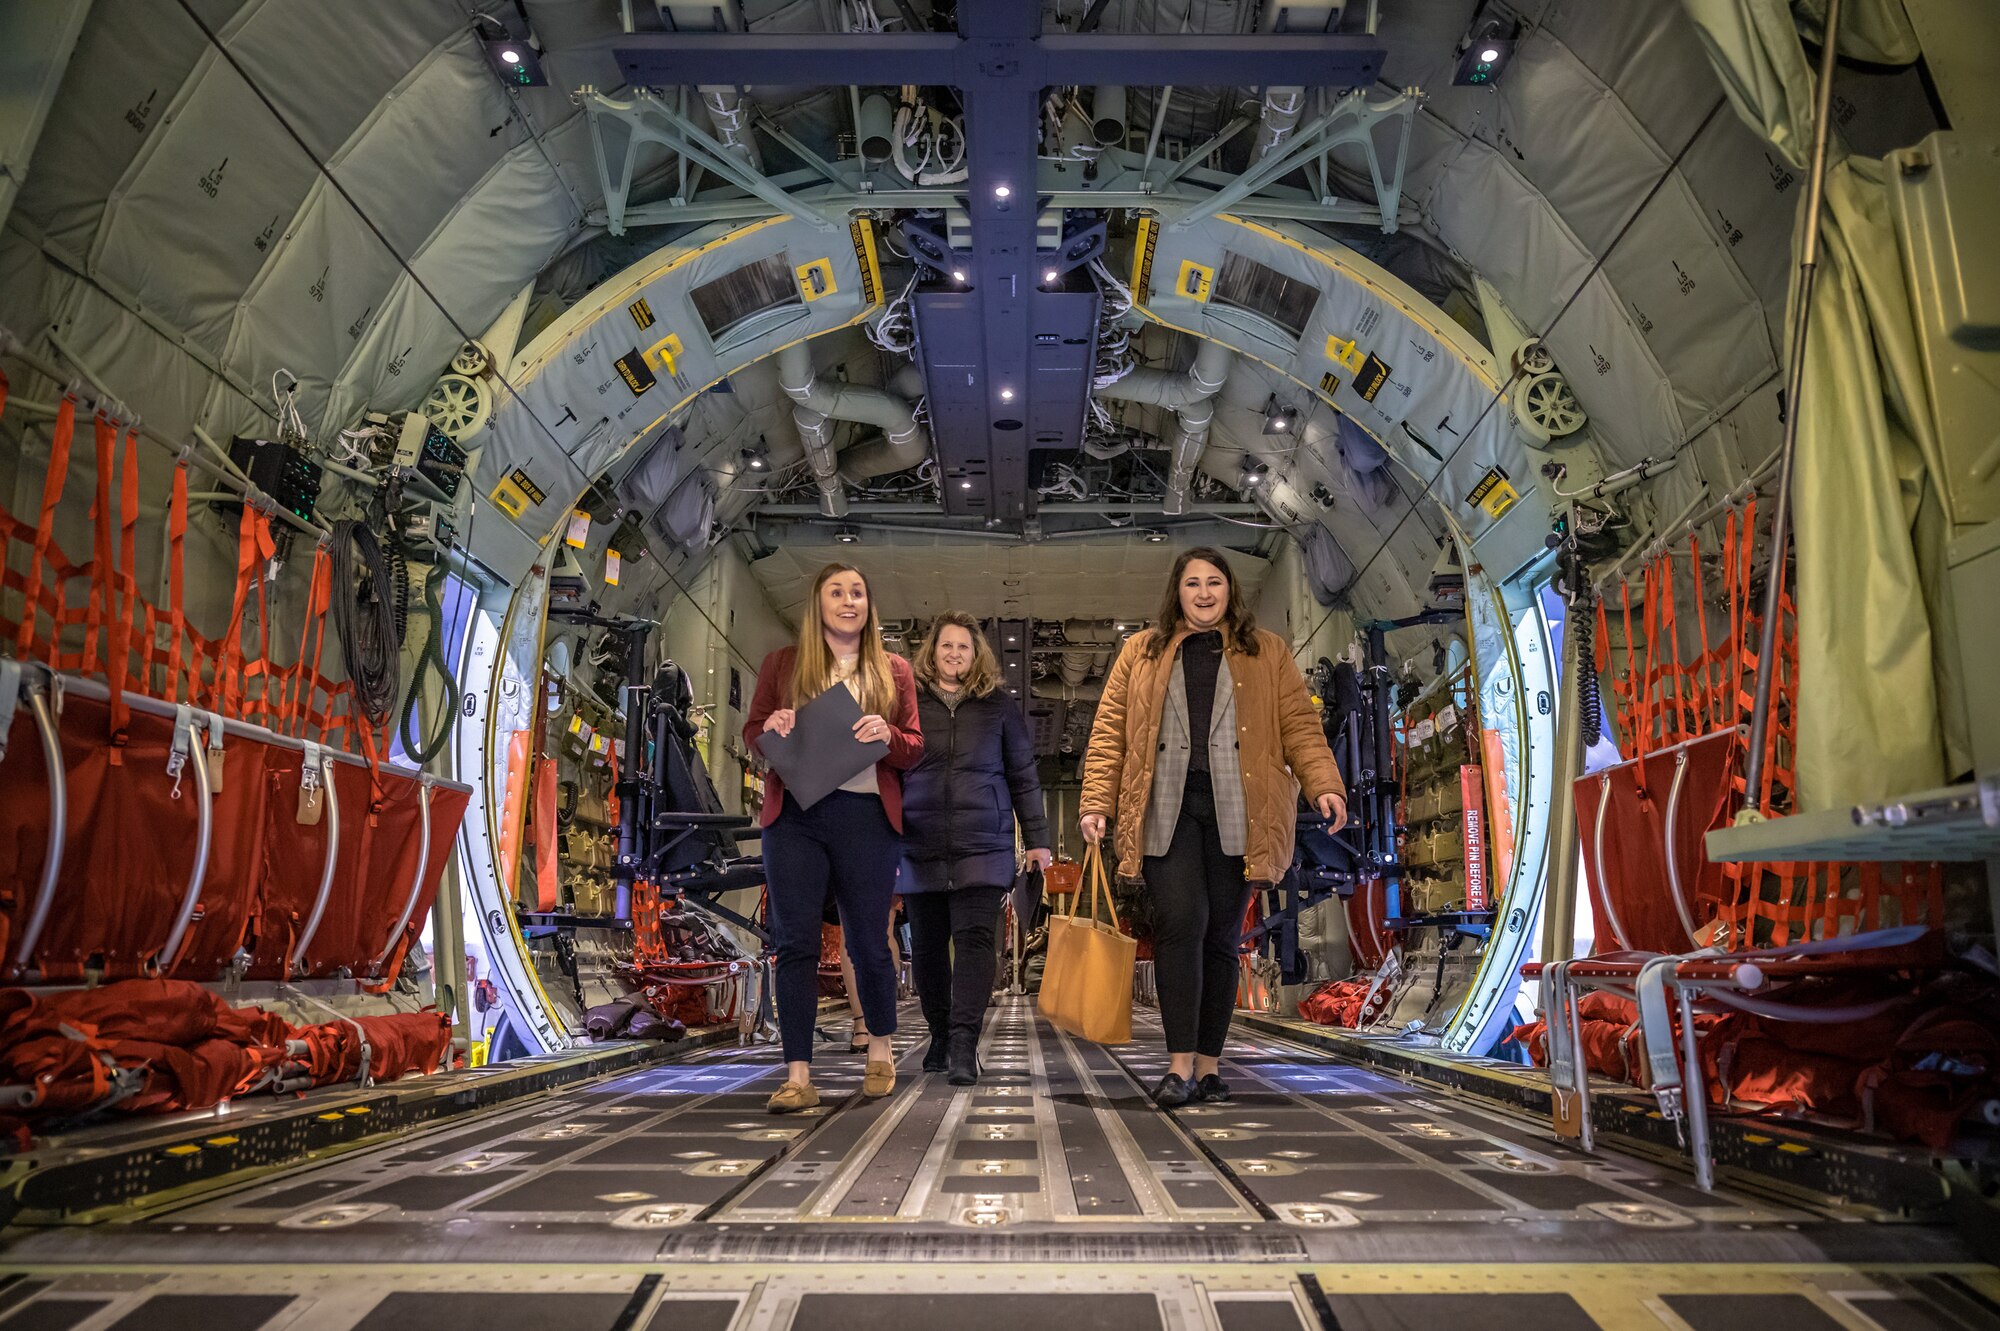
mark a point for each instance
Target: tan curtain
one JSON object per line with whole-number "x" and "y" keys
{"x": 1878, "y": 654}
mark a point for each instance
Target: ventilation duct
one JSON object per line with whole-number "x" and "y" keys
{"x": 1191, "y": 396}
{"x": 730, "y": 110}
{"x": 820, "y": 403}
{"x": 1283, "y": 107}
{"x": 888, "y": 453}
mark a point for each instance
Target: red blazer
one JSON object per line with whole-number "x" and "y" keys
{"x": 906, "y": 736}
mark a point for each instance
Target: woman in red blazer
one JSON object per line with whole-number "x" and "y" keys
{"x": 849, "y": 844}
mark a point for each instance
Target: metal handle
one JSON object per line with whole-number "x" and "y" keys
{"x": 197, "y": 756}
{"x": 1673, "y": 854}
{"x": 416, "y": 879}
{"x": 332, "y": 859}
{"x": 1602, "y": 884}
{"x": 24, "y": 948}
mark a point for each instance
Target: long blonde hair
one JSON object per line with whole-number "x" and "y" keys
{"x": 982, "y": 678}
{"x": 814, "y": 669}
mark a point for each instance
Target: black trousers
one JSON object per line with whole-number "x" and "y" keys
{"x": 843, "y": 846}
{"x": 1197, "y": 896}
{"x": 952, "y": 954}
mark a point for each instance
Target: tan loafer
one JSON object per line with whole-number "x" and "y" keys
{"x": 879, "y": 1080}
{"x": 792, "y": 1097}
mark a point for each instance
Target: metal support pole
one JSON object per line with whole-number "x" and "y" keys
{"x": 634, "y": 812}
{"x": 1559, "y": 900}
{"x": 1795, "y": 373}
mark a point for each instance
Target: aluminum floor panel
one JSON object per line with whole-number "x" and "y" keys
{"x": 1324, "y": 1194}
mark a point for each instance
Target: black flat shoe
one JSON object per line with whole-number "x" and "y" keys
{"x": 1211, "y": 1090}
{"x": 935, "y": 1057}
{"x": 1172, "y": 1091}
{"x": 962, "y": 1058}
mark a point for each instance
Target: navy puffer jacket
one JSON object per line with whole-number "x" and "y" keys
{"x": 960, "y": 801}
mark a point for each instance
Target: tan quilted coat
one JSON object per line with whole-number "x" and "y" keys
{"x": 1280, "y": 746}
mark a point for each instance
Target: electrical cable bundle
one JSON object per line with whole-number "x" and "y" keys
{"x": 364, "y": 617}
{"x": 432, "y": 658}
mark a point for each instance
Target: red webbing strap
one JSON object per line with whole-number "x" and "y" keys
{"x": 125, "y": 590}
{"x": 177, "y": 525}
{"x": 59, "y": 468}
{"x": 312, "y": 640}
{"x": 52, "y": 489}
{"x": 611, "y": 798}
{"x": 1704, "y": 691}
{"x": 253, "y": 545}
{"x": 1683, "y": 726}
{"x": 1634, "y": 718}
{"x": 103, "y": 570}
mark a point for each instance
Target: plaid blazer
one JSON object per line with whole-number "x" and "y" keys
{"x": 1170, "y": 765}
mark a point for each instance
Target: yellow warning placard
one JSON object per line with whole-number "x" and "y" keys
{"x": 1143, "y": 248}
{"x": 1345, "y": 351}
{"x": 516, "y": 494}
{"x": 665, "y": 353}
{"x": 1493, "y": 493}
{"x": 1195, "y": 281}
{"x": 816, "y": 279}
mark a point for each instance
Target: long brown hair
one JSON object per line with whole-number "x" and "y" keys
{"x": 982, "y": 678}
{"x": 1239, "y": 623}
{"x": 813, "y": 670}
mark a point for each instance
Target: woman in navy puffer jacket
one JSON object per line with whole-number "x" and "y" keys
{"x": 960, "y": 804}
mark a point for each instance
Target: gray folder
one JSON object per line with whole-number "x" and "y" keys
{"x": 821, "y": 754}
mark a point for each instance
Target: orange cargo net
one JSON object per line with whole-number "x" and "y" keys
{"x": 1664, "y": 699}
{"x": 91, "y": 619}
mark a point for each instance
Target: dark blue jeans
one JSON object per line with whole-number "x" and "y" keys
{"x": 842, "y": 846}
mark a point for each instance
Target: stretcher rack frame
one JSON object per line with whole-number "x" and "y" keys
{"x": 1723, "y": 980}
{"x": 42, "y": 685}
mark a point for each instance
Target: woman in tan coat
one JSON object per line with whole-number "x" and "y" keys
{"x": 1204, "y": 821}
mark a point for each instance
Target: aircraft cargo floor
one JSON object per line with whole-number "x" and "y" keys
{"x": 1051, "y": 1194}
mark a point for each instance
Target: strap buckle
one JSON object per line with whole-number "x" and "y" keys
{"x": 312, "y": 793}
{"x": 10, "y": 698}
{"x": 184, "y": 726}
{"x": 214, "y": 752}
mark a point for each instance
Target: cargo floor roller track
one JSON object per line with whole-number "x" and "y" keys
{"x": 1325, "y": 1194}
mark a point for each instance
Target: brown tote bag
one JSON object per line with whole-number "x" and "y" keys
{"x": 1087, "y": 980}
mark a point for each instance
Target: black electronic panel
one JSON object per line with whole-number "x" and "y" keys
{"x": 280, "y": 470}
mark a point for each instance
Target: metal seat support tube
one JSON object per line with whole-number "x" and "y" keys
{"x": 38, "y": 702}
{"x": 1681, "y": 907}
{"x": 196, "y": 756}
{"x": 416, "y": 879}
{"x": 324, "y": 766}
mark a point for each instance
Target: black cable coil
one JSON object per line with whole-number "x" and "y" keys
{"x": 1590, "y": 703}
{"x": 364, "y": 616}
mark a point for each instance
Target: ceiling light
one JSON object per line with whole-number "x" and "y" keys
{"x": 1251, "y": 473}
{"x": 514, "y": 61}
{"x": 1154, "y": 535}
{"x": 965, "y": 485}
{"x": 958, "y": 274}
{"x": 1280, "y": 418}
{"x": 1001, "y": 191}
{"x": 847, "y": 535}
{"x": 1485, "y": 53}
{"x": 1006, "y": 395}
{"x": 1050, "y": 277}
